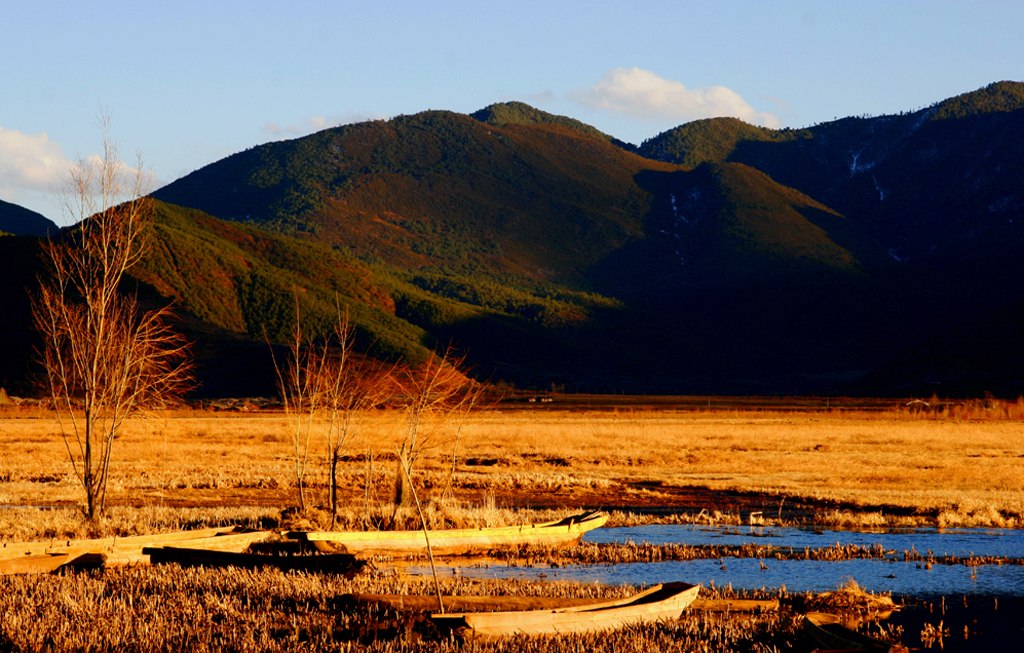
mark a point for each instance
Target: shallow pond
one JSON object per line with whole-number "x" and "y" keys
{"x": 952, "y": 542}
{"x": 798, "y": 575}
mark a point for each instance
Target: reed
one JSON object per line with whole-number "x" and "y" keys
{"x": 168, "y": 608}
{"x": 874, "y": 469}
{"x": 590, "y": 553}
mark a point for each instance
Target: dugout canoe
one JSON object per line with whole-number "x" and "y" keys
{"x": 473, "y": 603}
{"x": 119, "y": 550}
{"x": 334, "y": 563}
{"x": 659, "y": 603}
{"x": 831, "y": 634}
{"x": 48, "y": 563}
{"x": 461, "y": 541}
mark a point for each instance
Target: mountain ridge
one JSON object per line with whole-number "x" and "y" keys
{"x": 715, "y": 257}
{"x": 19, "y": 221}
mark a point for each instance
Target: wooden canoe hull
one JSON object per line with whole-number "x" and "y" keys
{"x": 336, "y": 563}
{"x": 830, "y": 632}
{"x": 659, "y": 603}
{"x": 32, "y": 564}
{"x": 461, "y": 541}
{"x": 119, "y": 550}
{"x": 12, "y": 549}
{"x": 467, "y": 603}
{"x": 48, "y": 563}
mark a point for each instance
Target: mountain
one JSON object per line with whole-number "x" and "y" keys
{"x": 543, "y": 200}
{"x": 865, "y": 255}
{"x": 546, "y": 238}
{"x": 19, "y": 257}
{"x": 19, "y": 221}
{"x": 941, "y": 182}
{"x": 20, "y": 230}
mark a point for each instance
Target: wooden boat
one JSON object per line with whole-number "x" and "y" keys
{"x": 829, "y": 631}
{"x": 13, "y": 549}
{"x": 47, "y": 563}
{"x": 467, "y": 603}
{"x": 118, "y": 550}
{"x": 460, "y": 541}
{"x": 335, "y": 563}
{"x": 661, "y": 602}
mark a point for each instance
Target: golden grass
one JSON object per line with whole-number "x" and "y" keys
{"x": 167, "y": 608}
{"x": 864, "y": 468}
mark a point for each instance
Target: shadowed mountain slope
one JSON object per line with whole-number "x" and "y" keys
{"x": 939, "y": 183}
{"x": 19, "y": 221}
{"x": 862, "y": 255}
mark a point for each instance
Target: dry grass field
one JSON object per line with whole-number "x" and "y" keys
{"x": 840, "y": 467}
{"x": 198, "y": 468}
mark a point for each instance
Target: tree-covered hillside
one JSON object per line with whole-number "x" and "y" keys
{"x": 867, "y": 254}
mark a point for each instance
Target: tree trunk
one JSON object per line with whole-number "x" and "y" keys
{"x": 333, "y": 482}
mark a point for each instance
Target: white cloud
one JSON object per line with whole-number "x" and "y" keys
{"x": 644, "y": 94}
{"x": 30, "y": 162}
{"x": 34, "y": 173}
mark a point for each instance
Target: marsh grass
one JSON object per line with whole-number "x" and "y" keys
{"x": 593, "y": 553}
{"x": 874, "y": 469}
{"x": 168, "y": 608}
{"x": 67, "y": 522}
{"x": 197, "y": 469}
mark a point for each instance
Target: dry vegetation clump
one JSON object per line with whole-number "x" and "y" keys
{"x": 591, "y": 553}
{"x": 988, "y": 408}
{"x": 702, "y": 517}
{"x": 169, "y": 608}
{"x": 438, "y": 514}
{"x": 850, "y": 598}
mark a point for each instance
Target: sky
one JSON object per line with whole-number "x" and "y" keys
{"x": 186, "y": 83}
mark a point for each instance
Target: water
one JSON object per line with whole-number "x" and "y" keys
{"x": 799, "y": 575}
{"x": 952, "y": 542}
{"x": 794, "y": 575}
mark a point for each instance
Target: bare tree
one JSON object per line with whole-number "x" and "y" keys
{"x": 105, "y": 357}
{"x": 299, "y": 384}
{"x": 324, "y": 388}
{"x": 435, "y": 393}
{"x": 351, "y": 387}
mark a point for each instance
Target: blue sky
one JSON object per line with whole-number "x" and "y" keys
{"x": 189, "y": 82}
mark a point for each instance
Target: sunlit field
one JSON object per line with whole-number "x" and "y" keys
{"x": 831, "y": 466}
{"x": 188, "y": 469}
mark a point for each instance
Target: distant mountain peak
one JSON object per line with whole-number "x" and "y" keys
{"x": 20, "y": 221}
{"x": 501, "y": 114}
{"x": 998, "y": 97}
{"x": 520, "y": 113}
{"x": 706, "y": 140}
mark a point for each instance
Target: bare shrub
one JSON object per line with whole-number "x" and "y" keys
{"x": 324, "y": 388}
{"x": 105, "y": 357}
